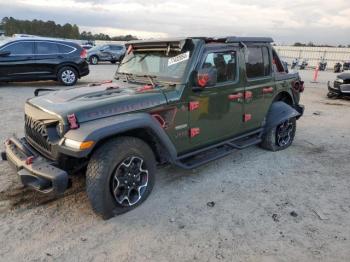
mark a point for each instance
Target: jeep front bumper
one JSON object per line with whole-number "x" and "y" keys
{"x": 34, "y": 170}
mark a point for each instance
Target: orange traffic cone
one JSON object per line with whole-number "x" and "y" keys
{"x": 315, "y": 75}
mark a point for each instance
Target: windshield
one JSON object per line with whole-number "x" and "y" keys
{"x": 155, "y": 63}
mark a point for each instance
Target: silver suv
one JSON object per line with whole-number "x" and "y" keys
{"x": 110, "y": 52}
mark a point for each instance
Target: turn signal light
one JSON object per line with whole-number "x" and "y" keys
{"x": 86, "y": 145}
{"x": 77, "y": 144}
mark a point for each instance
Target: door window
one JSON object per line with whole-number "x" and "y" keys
{"x": 225, "y": 63}
{"x": 20, "y": 48}
{"x": 65, "y": 49}
{"x": 46, "y": 48}
{"x": 257, "y": 62}
{"x": 116, "y": 47}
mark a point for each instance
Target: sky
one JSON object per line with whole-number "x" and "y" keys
{"x": 319, "y": 21}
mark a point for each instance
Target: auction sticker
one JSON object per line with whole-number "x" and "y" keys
{"x": 179, "y": 58}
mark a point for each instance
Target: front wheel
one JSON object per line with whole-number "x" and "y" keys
{"x": 120, "y": 176}
{"x": 280, "y": 137}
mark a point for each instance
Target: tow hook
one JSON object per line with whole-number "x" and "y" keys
{"x": 3, "y": 156}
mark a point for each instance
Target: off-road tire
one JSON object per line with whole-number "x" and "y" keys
{"x": 93, "y": 60}
{"x": 102, "y": 167}
{"x": 269, "y": 140}
{"x": 63, "y": 78}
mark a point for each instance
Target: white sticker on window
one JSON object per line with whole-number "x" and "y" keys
{"x": 179, "y": 58}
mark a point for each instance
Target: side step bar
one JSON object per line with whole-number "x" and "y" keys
{"x": 205, "y": 155}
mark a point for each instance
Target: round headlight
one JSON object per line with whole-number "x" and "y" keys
{"x": 60, "y": 129}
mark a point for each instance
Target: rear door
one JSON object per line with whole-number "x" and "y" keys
{"x": 20, "y": 63}
{"x": 48, "y": 56}
{"x": 260, "y": 86}
{"x": 217, "y": 113}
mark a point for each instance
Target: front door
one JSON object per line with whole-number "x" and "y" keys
{"x": 105, "y": 53}
{"x": 20, "y": 63}
{"x": 215, "y": 113}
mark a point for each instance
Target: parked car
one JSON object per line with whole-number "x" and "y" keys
{"x": 337, "y": 67}
{"x": 322, "y": 65}
{"x": 346, "y": 66}
{"x": 30, "y": 59}
{"x": 111, "y": 52}
{"x": 181, "y": 101}
{"x": 304, "y": 64}
{"x": 340, "y": 86}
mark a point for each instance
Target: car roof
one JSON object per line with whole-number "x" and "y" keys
{"x": 224, "y": 39}
{"x": 41, "y": 39}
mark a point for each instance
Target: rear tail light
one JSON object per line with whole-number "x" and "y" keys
{"x": 83, "y": 53}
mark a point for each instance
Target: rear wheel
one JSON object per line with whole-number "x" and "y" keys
{"x": 120, "y": 176}
{"x": 280, "y": 137}
{"x": 67, "y": 75}
{"x": 93, "y": 60}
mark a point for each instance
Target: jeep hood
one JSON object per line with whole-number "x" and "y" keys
{"x": 98, "y": 101}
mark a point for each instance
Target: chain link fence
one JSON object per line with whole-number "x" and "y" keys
{"x": 314, "y": 55}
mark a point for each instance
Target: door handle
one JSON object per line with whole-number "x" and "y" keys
{"x": 267, "y": 90}
{"x": 233, "y": 97}
{"x": 60, "y": 56}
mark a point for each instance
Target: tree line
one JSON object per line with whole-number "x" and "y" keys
{"x": 311, "y": 44}
{"x": 13, "y": 26}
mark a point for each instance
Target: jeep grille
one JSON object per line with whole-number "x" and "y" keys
{"x": 37, "y": 134}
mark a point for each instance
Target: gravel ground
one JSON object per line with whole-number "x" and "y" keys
{"x": 253, "y": 205}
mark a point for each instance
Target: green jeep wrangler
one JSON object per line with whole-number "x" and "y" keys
{"x": 181, "y": 101}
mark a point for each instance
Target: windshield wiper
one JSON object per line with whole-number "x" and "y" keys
{"x": 127, "y": 75}
{"x": 150, "y": 78}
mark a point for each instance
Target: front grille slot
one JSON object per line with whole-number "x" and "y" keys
{"x": 37, "y": 133}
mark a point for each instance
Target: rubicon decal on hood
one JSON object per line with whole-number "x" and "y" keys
{"x": 119, "y": 109}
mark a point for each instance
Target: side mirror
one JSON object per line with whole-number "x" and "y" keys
{"x": 206, "y": 77}
{"x": 5, "y": 53}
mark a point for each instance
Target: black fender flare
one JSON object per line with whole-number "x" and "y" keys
{"x": 278, "y": 113}
{"x": 98, "y": 130}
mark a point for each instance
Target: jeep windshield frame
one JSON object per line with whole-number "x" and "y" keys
{"x": 167, "y": 62}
